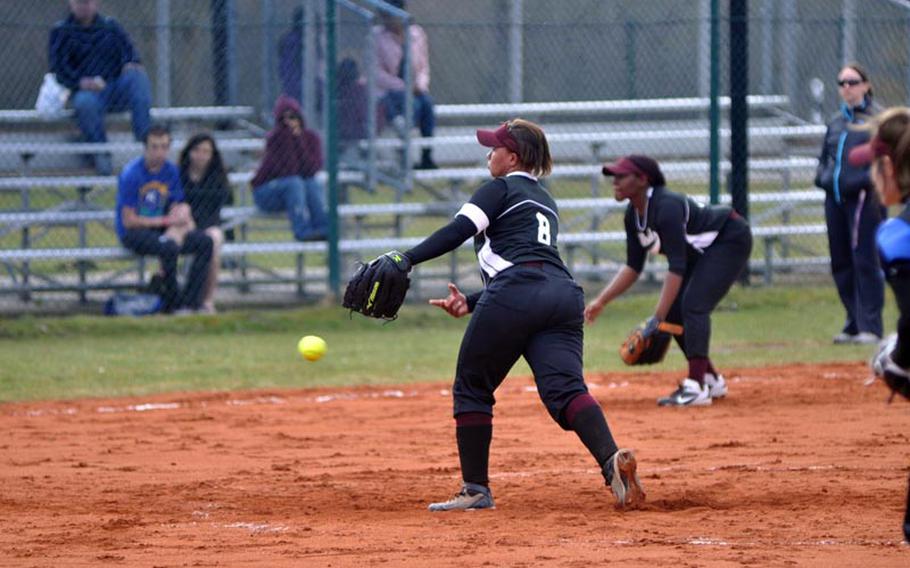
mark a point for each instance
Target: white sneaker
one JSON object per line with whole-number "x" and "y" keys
{"x": 717, "y": 386}
{"x": 689, "y": 393}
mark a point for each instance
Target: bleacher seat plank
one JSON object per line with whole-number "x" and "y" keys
{"x": 24, "y": 116}
{"x": 566, "y": 108}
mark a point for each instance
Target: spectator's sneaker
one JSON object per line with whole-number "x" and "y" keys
{"x": 866, "y": 338}
{"x": 844, "y": 338}
{"x": 717, "y": 386}
{"x": 621, "y": 474}
{"x": 103, "y": 164}
{"x": 689, "y": 393}
{"x": 472, "y": 496}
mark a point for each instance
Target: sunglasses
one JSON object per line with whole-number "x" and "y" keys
{"x": 849, "y": 82}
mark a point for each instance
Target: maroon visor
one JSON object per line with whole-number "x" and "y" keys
{"x": 499, "y": 137}
{"x": 622, "y": 167}
{"x": 868, "y": 152}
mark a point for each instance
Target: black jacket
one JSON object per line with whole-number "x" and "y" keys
{"x": 834, "y": 174}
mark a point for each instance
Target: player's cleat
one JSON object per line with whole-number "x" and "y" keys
{"x": 472, "y": 496}
{"x": 717, "y": 386}
{"x": 689, "y": 393}
{"x": 621, "y": 474}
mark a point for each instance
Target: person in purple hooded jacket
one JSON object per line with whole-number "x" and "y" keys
{"x": 286, "y": 178}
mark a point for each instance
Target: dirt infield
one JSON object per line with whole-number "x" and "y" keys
{"x": 799, "y": 466}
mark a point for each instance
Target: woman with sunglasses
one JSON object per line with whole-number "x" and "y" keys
{"x": 889, "y": 155}
{"x": 529, "y": 307}
{"x": 852, "y": 211}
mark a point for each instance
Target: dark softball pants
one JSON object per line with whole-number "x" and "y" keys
{"x": 706, "y": 282}
{"x": 197, "y": 243}
{"x": 854, "y": 260}
{"x": 532, "y": 310}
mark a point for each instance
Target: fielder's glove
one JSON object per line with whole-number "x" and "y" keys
{"x": 649, "y": 342}
{"x": 884, "y": 367}
{"x": 377, "y": 289}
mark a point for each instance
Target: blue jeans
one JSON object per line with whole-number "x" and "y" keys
{"x": 197, "y": 243}
{"x": 130, "y": 91}
{"x": 301, "y": 198}
{"x": 424, "y": 110}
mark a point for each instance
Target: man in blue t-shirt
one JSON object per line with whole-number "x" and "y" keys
{"x": 152, "y": 219}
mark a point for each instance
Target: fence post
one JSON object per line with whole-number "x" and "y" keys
{"x": 516, "y": 52}
{"x": 331, "y": 137}
{"x": 715, "y": 102}
{"x": 163, "y": 53}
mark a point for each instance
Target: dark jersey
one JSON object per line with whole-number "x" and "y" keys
{"x": 517, "y": 221}
{"x": 675, "y": 226}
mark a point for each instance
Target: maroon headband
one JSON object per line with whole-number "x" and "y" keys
{"x": 499, "y": 137}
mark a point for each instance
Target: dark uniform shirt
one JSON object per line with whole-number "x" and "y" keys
{"x": 517, "y": 221}
{"x": 675, "y": 226}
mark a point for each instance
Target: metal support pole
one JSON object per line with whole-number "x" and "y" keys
{"x": 331, "y": 137}
{"x": 408, "y": 107}
{"x": 516, "y": 52}
{"x": 767, "y": 46}
{"x": 224, "y": 52}
{"x": 268, "y": 59}
{"x": 309, "y": 78}
{"x": 848, "y": 31}
{"x": 163, "y": 53}
{"x": 789, "y": 57}
{"x": 739, "y": 86}
{"x": 704, "y": 48}
{"x": 715, "y": 102}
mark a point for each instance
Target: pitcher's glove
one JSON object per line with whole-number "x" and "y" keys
{"x": 884, "y": 367}
{"x": 649, "y": 342}
{"x": 377, "y": 289}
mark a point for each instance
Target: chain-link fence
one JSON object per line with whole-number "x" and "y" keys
{"x": 603, "y": 78}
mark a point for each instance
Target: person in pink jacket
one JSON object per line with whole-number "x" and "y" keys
{"x": 390, "y": 76}
{"x": 286, "y": 178}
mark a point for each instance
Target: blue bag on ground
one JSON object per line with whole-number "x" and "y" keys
{"x": 122, "y": 304}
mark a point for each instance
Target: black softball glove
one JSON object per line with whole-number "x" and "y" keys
{"x": 377, "y": 289}
{"x": 884, "y": 367}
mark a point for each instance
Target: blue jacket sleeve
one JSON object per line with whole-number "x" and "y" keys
{"x": 59, "y": 64}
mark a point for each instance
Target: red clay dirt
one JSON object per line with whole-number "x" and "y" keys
{"x": 800, "y": 465}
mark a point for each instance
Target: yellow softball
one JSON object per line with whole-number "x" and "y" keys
{"x": 312, "y": 347}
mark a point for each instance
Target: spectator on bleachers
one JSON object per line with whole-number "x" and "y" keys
{"x": 94, "y": 57}
{"x": 352, "y": 102}
{"x": 286, "y": 178}
{"x": 852, "y": 211}
{"x": 152, "y": 218}
{"x": 207, "y": 189}
{"x": 291, "y": 64}
{"x": 390, "y": 77}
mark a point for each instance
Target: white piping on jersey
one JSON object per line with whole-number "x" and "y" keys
{"x": 490, "y": 262}
{"x": 476, "y": 215}
{"x": 638, "y": 224}
{"x": 522, "y": 174}
{"x": 520, "y": 203}
{"x": 701, "y": 241}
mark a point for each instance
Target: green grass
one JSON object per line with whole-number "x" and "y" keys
{"x": 75, "y": 357}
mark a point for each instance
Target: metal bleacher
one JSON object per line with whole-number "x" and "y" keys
{"x": 586, "y": 145}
